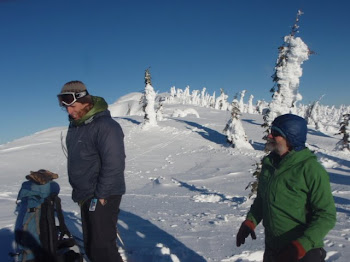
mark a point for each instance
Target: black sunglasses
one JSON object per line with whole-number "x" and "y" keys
{"x": 275, "y": 133}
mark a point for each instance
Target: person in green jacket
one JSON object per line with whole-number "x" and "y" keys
{"x": 294, "y": 199}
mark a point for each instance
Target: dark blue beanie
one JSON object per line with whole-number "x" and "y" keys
{"x": 294, "y": 128}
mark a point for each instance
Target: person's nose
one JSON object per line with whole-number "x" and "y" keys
{"x": 69, "y": 109}
{"x": 270, "y": 135}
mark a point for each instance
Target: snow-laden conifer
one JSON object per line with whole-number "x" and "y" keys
{"x": 344, "y": 143}
{"x": 288, "y": 71}
{"x": 241, "y": 103}
{"x": 250, "y": 108}
{"x": 221, "y": 102}
{"x": 148, "y": 101}
{"x": 159, "y": 112}
{"x": 234, "y": 130}
{"x": 313, "y": 115}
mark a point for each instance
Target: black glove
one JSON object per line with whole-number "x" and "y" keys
{"x": 246, "y": 229}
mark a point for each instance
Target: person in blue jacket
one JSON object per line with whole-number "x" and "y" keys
{"x": 96, "y": 163}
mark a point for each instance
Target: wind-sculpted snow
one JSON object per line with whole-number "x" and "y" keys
{"x": 186, "y": 194}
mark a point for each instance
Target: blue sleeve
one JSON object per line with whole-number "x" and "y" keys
{"x": 110, "y": 144}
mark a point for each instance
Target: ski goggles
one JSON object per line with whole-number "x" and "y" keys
{"x": 69, "y": 98}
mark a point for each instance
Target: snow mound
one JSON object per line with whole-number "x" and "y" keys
{"x": 328, "y": 163}
{"x": 185, "y": 112}
{"x": 211, "y": 198}
{"x": 127, "y": 105}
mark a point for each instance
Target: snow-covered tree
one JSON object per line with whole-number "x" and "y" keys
{"x": 159, "y": 112}
{"x": 344, "y": 143}
{"x": 148, "y": 101}
{"x": 288, "y": 71}
{"x": 241, "y": 103}
{"x": 195, "y": 97}
{"x": 250, "y": 108}
{"x": 260, "y": 106}
{"x": 234, "y": 130}
{"x": 186, "y": 95}
{"x": 204, "y": 98}
{"x": 313, "y": 114}
{"x": 221, "y": 101}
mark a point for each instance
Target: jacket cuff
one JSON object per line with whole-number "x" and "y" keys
{"x": 300, "y": 249}
{"x": 249, "y": 224}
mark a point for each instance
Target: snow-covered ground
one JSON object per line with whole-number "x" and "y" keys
{"x": 186, "y": 194}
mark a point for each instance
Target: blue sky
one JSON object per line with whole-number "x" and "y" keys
{"x": 227, "y": 44}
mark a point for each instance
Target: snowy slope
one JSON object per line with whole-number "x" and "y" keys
{"x": 186, "y": 194}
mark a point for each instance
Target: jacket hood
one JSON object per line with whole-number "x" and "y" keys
{"x": 294, "y": 128}
{"x": 100, "y": 105}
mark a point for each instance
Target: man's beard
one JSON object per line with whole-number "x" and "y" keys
{"x": 272, "y": 146}
{"x": 80, "y": 114}
{"x": 84, "y": 111}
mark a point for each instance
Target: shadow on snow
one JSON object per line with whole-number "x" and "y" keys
{"x": 335, "y": 159}
{"x": 209, "y": 134}
{"x": 316, "y": 133}
{"x": 128, "y": 119}
{"x": 339, "y": 179}
{"x": 144, "y": 241}
{"x": 342, "y": 201}
{"x": 253, "y": 122}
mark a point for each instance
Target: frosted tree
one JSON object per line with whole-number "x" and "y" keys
{"x": 204, "y": 98}
{"x": 186, "y": 95}
{"x": 250, "y": 108}
{"x": 212, "y": 100}
{"x": 260, "y": 106}
{"x": 195, "y": 97}
{"x": 344, "y": 143}
{"x": 292, "y": 54}
{"x": 313, "y": 115}
{"x": 159, "y": 112}
{"x": 288, "y": 71}
{"x": 148, "y": 101}
{"x": 241, "y": 103}
{"x": 234, "y": 130}
{"x": 221, "y": 101}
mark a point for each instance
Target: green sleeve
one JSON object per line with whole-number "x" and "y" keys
{"x": 321, "y": 206}
{"x": 255, "y": 212}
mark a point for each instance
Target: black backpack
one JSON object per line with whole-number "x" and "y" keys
{"x": 37, "y": 237}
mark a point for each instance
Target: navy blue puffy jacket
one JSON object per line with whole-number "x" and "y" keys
{"x": 96, "y": 158}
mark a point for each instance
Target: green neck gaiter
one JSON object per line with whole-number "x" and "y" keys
{"x": 100, "y": 105}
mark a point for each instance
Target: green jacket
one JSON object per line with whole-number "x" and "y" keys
{"x": 294, "y": 201}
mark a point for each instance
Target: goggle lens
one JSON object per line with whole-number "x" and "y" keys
{"x": 69, "y": 98}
